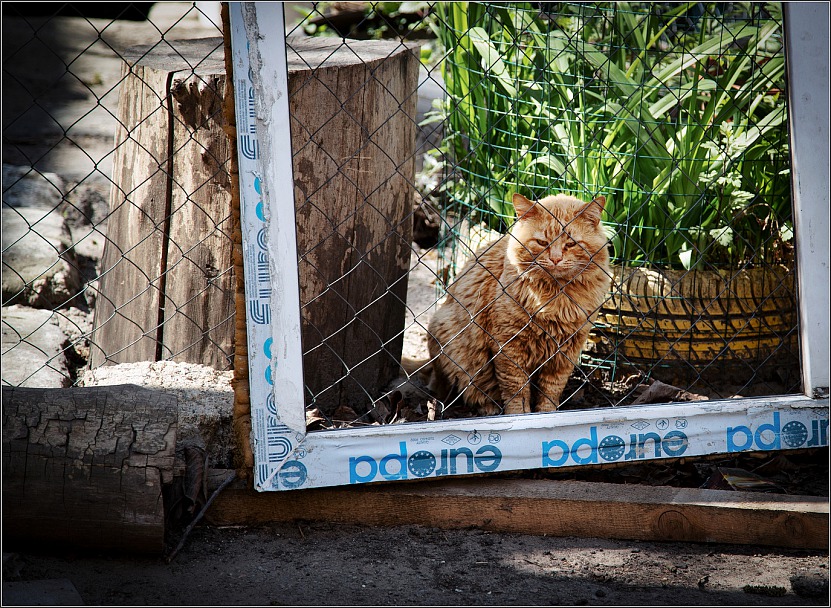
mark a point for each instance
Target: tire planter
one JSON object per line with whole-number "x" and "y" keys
{"x": 684, "y": 325}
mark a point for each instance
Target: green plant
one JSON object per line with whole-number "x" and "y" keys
{"x": 410, "y": 21}
{"x": 679, "y": 120}
{"x": 366, "y": 20}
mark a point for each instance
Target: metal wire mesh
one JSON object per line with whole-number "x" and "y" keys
{"x": 677, "y": 114}
{"x": 412, "y": 125}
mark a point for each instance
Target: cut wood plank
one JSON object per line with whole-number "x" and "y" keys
{"x": 85, "y": 466}
{"x": 199, "y": 291}
{"x": 384, "y": 168}
{"x": 555, "y": 508}
{"x": 166, "y": 289}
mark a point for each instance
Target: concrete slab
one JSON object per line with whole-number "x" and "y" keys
{"x": 32, "y": 348}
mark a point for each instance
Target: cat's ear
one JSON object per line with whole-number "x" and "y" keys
{"x": 594, "y": 209}
{"x": 522, "y": 205}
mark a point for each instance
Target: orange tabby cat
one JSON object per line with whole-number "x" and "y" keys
{"x": 515, "y": 320}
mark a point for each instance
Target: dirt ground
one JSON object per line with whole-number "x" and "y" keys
{"x": 325, "y": 564}
{"x": 328, "y": 564}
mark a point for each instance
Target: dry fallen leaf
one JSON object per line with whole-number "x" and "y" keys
{"x": 659, "y": 392}
{"x": 431, "y": 409}
{"x": 314, "y": 419}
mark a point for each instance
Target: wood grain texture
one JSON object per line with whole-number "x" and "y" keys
{"x": 166, "y": 287}
{"x": 353, "y": 134}
{"x": 353, "y": 130}
{"x": 199, "y": 291}
{"x": 127, "y": 305}
{"x": 555, "y": 508}
{"x": 85, "y": 466}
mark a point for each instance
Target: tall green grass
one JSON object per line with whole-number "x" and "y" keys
{"x": 678, "y": 118}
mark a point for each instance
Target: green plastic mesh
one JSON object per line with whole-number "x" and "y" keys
{"x": 676, "y": 113}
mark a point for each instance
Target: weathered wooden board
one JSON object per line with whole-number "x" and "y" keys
{"x": 165, "y": 290}
{"x": 555, "y": 508}
{"x": 199, "y": 291}
{"x": 84, "y": 466}
{"x": 383, "y": 236}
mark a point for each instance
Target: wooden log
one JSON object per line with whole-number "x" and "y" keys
{"x": 353, "y": 133}
{"x": 554, "y": 508}
{"x": 127, "y": 305}
{"x": 85, "y": 466}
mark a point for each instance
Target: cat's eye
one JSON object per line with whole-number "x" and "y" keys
{"x": 541, "y": 243}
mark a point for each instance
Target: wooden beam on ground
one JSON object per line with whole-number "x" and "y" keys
{"x": 554, "y": 508}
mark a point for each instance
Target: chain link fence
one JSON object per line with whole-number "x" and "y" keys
{"x": 413, "y": 126}
{"x": 92, "y": 193}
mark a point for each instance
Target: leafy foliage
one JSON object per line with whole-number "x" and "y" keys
{"x": 676, "y": 113}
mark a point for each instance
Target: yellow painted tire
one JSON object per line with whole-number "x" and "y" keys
{"x": 701, "y": 317}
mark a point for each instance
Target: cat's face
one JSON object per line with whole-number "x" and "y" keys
{"x": 558, "y": 237}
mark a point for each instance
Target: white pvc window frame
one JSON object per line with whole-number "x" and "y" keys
{"x": 287, "y": 457}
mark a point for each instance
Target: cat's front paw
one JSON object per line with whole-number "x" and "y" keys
{"x": 544, "y": 404}
{"x": 517, "y": 405}
{"x": 489, "y": 409}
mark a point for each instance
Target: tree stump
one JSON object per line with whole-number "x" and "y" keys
{"x": 85, "y": 466}
{"x": 166, "y": 289}
{"x": 353, "y": 131}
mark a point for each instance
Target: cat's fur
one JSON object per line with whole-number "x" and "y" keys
{"x": 520, "y": 311}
